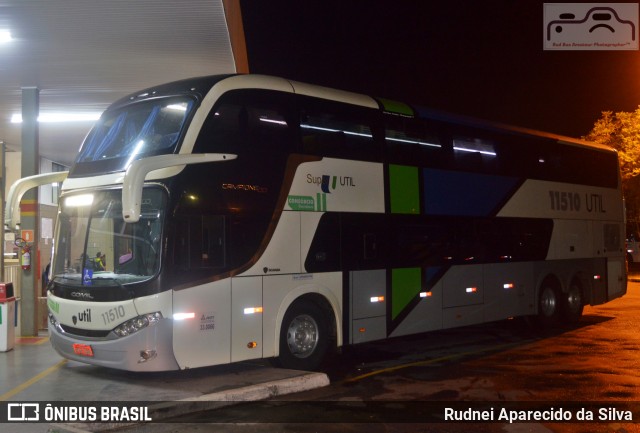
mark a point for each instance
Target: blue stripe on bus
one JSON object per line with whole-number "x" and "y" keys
{"x": 466, "y": 194}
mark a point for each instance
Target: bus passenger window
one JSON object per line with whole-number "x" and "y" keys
{"x": 250, "y": 120}
{"x": 266, "y": 130}
{"x": 322, "y": 134}
{"x": 337, "y": 131}
{"x": 474, "y": 154}
{"x": 411, "y": 142}
{"x": 200, "y": 243}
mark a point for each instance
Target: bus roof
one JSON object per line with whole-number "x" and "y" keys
{"x": 201, "y": 85}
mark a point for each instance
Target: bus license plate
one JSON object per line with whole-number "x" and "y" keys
{"x": 83, "y": 350}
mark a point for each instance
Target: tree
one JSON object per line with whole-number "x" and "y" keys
{"x": 622, "y": 132}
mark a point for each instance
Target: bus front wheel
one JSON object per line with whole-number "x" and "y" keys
{"x": 304, "y": 336}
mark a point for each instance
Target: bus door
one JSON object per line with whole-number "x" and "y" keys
{"x": 218, "y": 322}
{"x": 612, "y": 247}
{"x": 202, "y": 324}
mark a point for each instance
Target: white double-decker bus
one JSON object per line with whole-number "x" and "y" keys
{"x": 227, "y": 218}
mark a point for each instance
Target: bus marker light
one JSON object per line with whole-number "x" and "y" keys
{"x": 253, "y": 310}
{"x": 183, "y": 316}
{"x": 362, "y": 330}
{"x": 83, "y": 350}
{"x": 426, "y": 294}
{"x": 508, "y": 285}
{"x": 472, "y": 289}
{"x": 252, "y": 345}
{"x": 596, "y": 277}
{"x": 377, "y": 299}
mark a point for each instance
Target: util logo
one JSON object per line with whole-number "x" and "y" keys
{"x": 330, "y": 183}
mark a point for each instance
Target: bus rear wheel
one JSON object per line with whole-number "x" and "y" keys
{"x": 304, "y": 336}
{"x": 572, "y": 304}
{"x": 549, "y": 305}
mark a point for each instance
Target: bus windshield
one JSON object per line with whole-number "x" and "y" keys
{"x": 94, "y": 243}
{"x": 146, "y": 128}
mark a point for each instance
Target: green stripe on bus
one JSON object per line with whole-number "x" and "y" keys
{"x": 396, "y": 107}
{"x": 406, "y": 284}
{"x": 321, "y": 202}
{"x": 404, "y": 189}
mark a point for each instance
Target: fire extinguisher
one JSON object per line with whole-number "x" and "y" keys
{"x": 25, "y": 253}
{"x": 25, "y": 260}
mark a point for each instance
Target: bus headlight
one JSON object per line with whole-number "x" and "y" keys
{"x": 137, "y": 323}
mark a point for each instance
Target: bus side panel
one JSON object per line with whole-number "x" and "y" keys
{"x": 203, "y": 339}
{"x": 337, "y": 185}
{"x": 544, "y": 199}
{"x": 463, "y": 296}
{"x": 463, "y": 285}
{"x": 282, "y": 255}
{"x": 246, "y": 320}
{"x": 473, "y": 294}
{"x": 465, "y": 315}
{"x": 612, "y": 246}
{"x": 616, "y": 278}
{"x": 509, "y": 290}
{"x": 598, "y": 280}
{"x": 573, "y": 239}
{"x": 425, "y": 316}
{"x": 368, "y": 305}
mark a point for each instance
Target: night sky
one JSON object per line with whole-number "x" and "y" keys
{"x": 479, "y": 58}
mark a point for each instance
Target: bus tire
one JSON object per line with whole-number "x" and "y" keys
{"x": 572, "y": 303}
{"x": 304, "y": 336}
{"x": 549, "y": 305}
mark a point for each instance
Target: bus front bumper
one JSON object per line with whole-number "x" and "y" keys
{"x": 150, "y": 349}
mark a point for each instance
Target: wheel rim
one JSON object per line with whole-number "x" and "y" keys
{"x": 548, "y": 302}
{"x": 302, "y": 336}
{"x": 574, "y": 299}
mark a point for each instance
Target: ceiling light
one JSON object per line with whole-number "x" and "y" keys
{"x": 61, "y": 117}
{"x": 5, "y": 36}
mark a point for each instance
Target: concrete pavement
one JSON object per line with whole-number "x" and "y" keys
{"x": 33, "y": 371}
